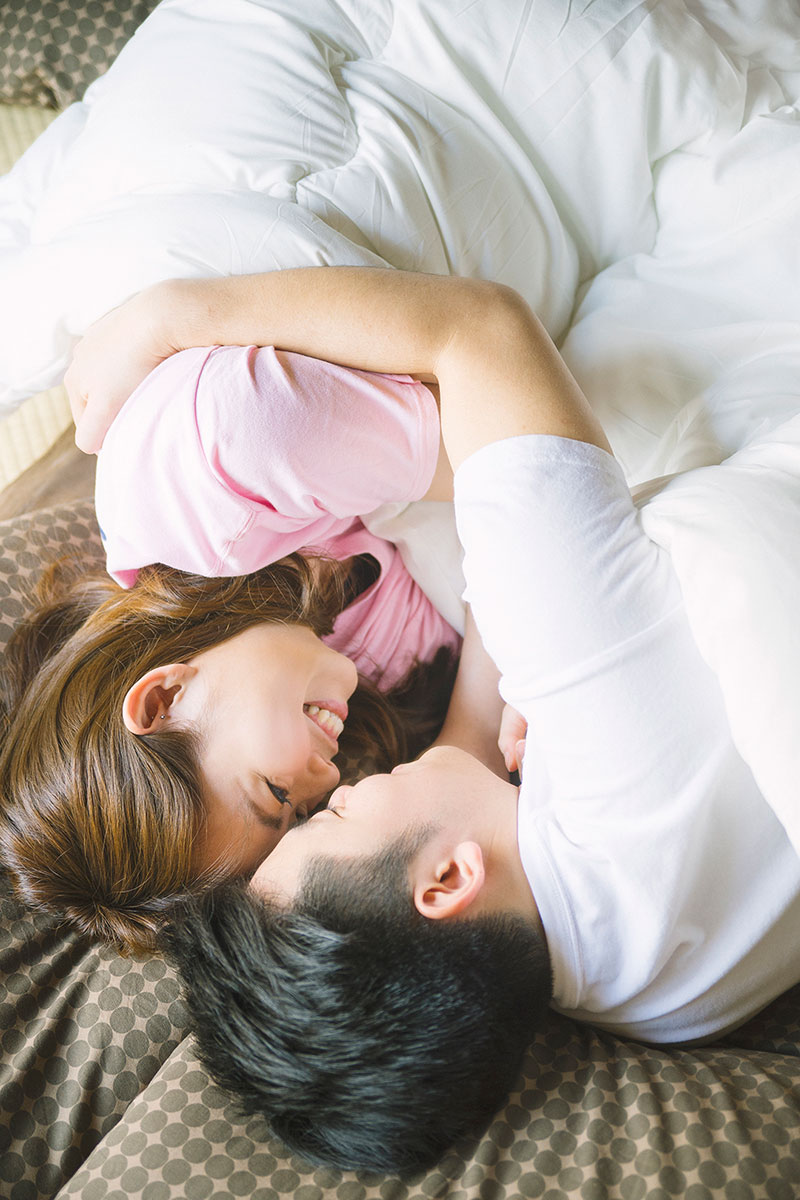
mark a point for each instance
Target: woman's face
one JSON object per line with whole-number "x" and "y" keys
{"x": 269, "y": 705}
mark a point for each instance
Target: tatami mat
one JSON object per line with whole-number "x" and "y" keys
{"x": 19, "y": 126}
{"x": 27, "y": 433}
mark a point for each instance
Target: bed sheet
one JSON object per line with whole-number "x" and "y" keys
{"x": 631, "y": 166}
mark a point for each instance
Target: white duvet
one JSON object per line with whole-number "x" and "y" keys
{"x": 631, "y": 166}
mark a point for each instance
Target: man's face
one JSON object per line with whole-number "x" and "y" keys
{"x": 445, "y": 787}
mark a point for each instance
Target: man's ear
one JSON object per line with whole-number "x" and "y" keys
{"x": 151, "y": 697}
{"x": 454, "y": 883}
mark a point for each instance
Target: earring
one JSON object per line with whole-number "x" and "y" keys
{"x": 163, "y": 716}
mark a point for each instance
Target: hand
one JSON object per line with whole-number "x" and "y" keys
{"x": 513, "y": 731}
{"x": 110, "y": 361}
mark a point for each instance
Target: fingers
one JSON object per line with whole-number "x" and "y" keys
{"x": 113, "y": 357}
{"x": 87, "y": 437}
{"x": 511, "y": 740}
{"x": 520, "y": 755}
{"x": 78, "y": 401}
{"x": 93, "y": 403}
{"x": 93, "y": 425}
{"x": 90, "y": 427}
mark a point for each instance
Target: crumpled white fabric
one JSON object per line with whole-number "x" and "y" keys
{"x": 499, "y": 138}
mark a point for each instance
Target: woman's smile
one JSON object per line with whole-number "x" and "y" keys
{"x": 329, "y": 716}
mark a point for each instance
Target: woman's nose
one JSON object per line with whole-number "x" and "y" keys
{"x": 319, "y": 767}
{"x": 320, "y": 777}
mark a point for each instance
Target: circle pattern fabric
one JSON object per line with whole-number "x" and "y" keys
{"x": 28, "y": 544}
{"x": 82, "y": 1029}
{"x": 102, "y": 1097}
{"x": 51, "y": 50}
{"x": 82, "y": 1033}
{"x": 596, "y": 1118}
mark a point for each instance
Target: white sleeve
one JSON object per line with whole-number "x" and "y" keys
{"x": 583, "y": 615}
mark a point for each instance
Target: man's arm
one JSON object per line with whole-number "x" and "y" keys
{"x": 498, "y": 372}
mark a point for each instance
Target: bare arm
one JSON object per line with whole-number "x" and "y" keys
{"x": 473, "y": 715}
{"x": 498, "y": 372}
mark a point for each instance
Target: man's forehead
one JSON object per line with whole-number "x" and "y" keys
{"x": 279, "y": 874}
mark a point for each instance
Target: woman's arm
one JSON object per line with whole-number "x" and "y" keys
{"x": 498, "y": 372}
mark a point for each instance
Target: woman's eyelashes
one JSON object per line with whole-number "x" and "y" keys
{"x": 280, "y": 794}
{"x": 299, "y": 815}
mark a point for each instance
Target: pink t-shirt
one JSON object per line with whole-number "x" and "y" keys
{"x": 227, "y": 458}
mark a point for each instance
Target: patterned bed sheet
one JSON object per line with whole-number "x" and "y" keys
{"x": 102, "y": 1098}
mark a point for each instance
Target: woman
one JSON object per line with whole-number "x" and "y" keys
{"x": 162, "y": 737}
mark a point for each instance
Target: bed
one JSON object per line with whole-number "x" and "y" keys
{"x": 633, "y": 168}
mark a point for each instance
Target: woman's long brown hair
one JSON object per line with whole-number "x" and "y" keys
{"x": 99, "y": 825}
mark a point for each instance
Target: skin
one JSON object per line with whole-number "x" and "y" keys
{"x": 471, "y": 338}
{"x": 470, "y": 861}
{"x": 265, "y": 759}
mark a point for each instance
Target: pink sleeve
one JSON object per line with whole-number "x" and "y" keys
{"x": 309, "y": 438}
{"x": 226, "y": 459}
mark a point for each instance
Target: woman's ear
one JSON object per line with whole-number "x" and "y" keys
{"x": 453, "y": 885}
{"x": 148, "y": 702}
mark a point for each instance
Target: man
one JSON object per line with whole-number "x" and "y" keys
{"x": 374, "y": 989}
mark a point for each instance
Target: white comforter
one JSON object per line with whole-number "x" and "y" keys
{"x": 631, "y": 166}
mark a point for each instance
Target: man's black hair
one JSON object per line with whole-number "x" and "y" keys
{"x": 370, "y": 1037}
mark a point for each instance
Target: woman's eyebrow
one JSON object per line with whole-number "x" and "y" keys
{"x": 276, "y": 823}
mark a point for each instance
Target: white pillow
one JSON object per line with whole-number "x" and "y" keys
{"x": 491, "y": 139}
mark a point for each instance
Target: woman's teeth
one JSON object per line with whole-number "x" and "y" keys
{"x": 327, "y": 720}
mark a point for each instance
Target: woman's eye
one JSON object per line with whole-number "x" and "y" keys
{"x": 280, "y": 794}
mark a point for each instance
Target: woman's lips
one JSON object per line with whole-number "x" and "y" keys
{"x": 329, "y": 716}
{"x": 339, "y": 707}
